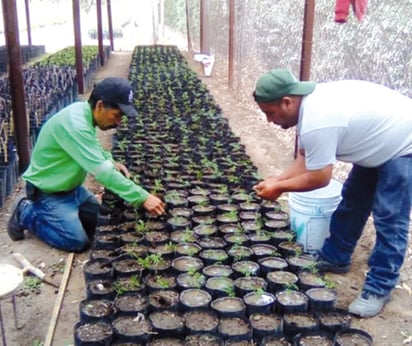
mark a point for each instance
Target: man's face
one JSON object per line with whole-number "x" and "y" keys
{"x": 107, "y": 117}
{"x": 280, "y": 112}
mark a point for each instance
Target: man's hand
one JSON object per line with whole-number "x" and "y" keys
{"x": 268, "y": 189}
{"x": 122, "y": 169}
{"x": 154, "y": 205}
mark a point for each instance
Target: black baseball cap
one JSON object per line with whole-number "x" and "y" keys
{"x": 116, "y": 92}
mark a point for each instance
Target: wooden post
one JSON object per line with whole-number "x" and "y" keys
{"x": 18, "y": 100}
{"x": 109, "y": 19}
{"x": 78, "y": 46}
{"x": 189, "y": 39}
{"x": 306, "y": 53}
{"x": 204, "y": 27}
{"x": 232, "y": 19}
{"x": 100, "y": 30}
{"x": 27, "y": 7}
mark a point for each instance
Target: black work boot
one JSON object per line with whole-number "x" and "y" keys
{"x": 15, "y": 231}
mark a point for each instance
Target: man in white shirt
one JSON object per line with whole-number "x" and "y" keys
{"x": 369, "y": 126}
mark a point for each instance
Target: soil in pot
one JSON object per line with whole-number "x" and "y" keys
{"x": 163, "y": 299}
{"x": 290, "y": 248}
{"x": 280, "y": 280}
{"x": 234, "y": 328}
{"x": 314, "y": 338}
{"x": 275, "y": 340}
{"x": 299, "y": 322}
{"x": 201, "y": 321}
{"x": 194, "y": 298}
{"x": 107, "y": 241}
{"x": 353, "y": 337}
{"x": 184, "y": 212}
{"x": 212, "y": 256}
{"x": 185, "y": 264}
{"x": 100, "y": 289}
{"x": 167, "y": 322}
{"x": 96, "y": 310}
{"x": 220, "y": 286}
{"x": 321, "y": 299}
{"x": 204, "y": 210}
{"x": 187, "y": 249}
{"x": 178, "y": 223}
{"x": 131, "y": 237}
{"x": 264, "y": 324}
{"x": 131, "y": 304}
{"x": 211, "y": 242}
{"x": 127, "y": 267}
{"x": 246, "y": 284}
{"x": 156, "y": 237}
{"x": 259, "y": 301}
{"x": 259, "y": 237}
{"x": 262, "y": 250}
{"x": 203, "y": 340}
{"x": 272, "y": 263}
{"x": 245, "y": 268}
{"x": 217, "y": 270}
{"x": 288, "y": 301}
{"x": 205, "y": 230}
{"x": 99, "y": 333}
{"x": 165, "y": 342}
{"x": 134, "y": 250}
{"x": 238, "y": 239}
{"x": 97, "y": 269}
{"x": 185, "y": 236}
{"x": 132, "y": 328}
{"x": 310, "y": 279}
{"x": 190, "y": 280}
{"x": 129, "y": 284}
{"x": 281, "y": 235}
{"x": 229, "y": 307}
{"x": 158, "y": 281}
{"x": 336, "y": 320}
{"x": 301, "y": 262}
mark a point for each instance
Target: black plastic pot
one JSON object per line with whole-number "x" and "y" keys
{"x": 167, "y": 323}
{"x": 229, "y": 307}
{"x": 131, "y": 304}
{"x": 190, "y": 280}
{"x": 299, "y": 322}
{"x": 353, "y": 336}
{"x": 203, "y": 339}
{"x": 96, "y": 310}
{"x": 289, "y": 301}
{"x": 97, "y": 269}
{"x": 201, "y": 321}
{"x": 131, "y": 329}
{"x": 335, "y": 320}
{"x": 235, "y": 328}
{"x": 245, "y": 268}
{"x": 194, "y": 298}
{"x": 217, "y": 270}
{"x": 321, "y": 299}
{"x": 246, "y": 284}
{"x": 100, "y": 289}
{"x": 93, "y": 334}
{"x": 259, "y": 302}
{"x": 265, "y": 324}
{"x": 220, "y": 286}
{"x": 279, "y": 280}
{"x": 272, "y": 263}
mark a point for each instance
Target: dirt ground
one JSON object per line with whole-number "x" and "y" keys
{"x": 36, "y": 307}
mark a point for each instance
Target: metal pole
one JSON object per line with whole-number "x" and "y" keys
{"x": 21, "y": 128}
{"x": 78, "y": 46}
{"x": 100, "y": 30}
{"x": 231, "y": 40}
{"x": 109, "y": 18}
{"x": 26, "y": 3}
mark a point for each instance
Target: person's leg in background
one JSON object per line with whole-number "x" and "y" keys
{"x": 55, "y": 219}
{"x": 349, "y": 218}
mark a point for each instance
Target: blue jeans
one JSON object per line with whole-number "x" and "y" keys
{"x": 65, "y": 221}
{"x": 386, "y": 191}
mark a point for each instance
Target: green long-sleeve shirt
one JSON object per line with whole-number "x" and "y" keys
{"x": 67, "y": 149}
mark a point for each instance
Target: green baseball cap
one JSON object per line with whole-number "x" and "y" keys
{"x": 275, "y": 84}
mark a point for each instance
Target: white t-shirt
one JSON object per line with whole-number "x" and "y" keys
{"x": 354, "y": 121}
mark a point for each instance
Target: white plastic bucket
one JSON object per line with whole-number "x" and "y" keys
{"x": 310, "y": 214}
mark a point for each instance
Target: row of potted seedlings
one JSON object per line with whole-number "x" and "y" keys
{"x": 222, "y": 267}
